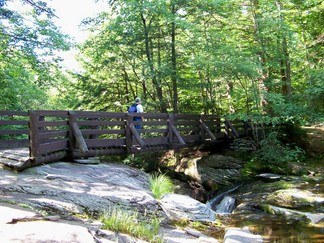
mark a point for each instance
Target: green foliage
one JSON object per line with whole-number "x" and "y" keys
{"x": 144, "y": 161}
{"x": 28, "y": 63}
{"x": 273, "y": 156}
{"x": 228, "y": 57}
{"x": 160, "y": 185}
{"x": 120, "y": 220}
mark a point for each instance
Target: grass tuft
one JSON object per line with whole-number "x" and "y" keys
{"x": 160, "y": 185}
{"x": 123, "y": 221}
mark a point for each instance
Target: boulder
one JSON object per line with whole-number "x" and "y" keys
{"x": 22, "y": 225}
{"x": 70, "y": 188}
{"x": 179, "y": 207}
{"x": 217, "y": 170}
{"x": 242, "y": 235}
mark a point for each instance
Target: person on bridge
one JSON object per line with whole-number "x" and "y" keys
{"x": 139, "y": 109}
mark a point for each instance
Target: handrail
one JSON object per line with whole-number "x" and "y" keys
{"x": 71, "y": 134}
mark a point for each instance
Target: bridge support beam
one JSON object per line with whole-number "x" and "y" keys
{"x": 207, "y": 130}
{"x": 79, "y": 138}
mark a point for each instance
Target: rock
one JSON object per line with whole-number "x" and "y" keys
{"x": 313, "y": 217}
{"x": 241, "y": 235}
{"x": 175, "y": 235}
{"x": 39, "y": 231}
{"x": 179, "y": 207}
{"x": 70, "y": 188}
{"x": 218, "y": 170}
{"x": 62, "y": 190}
{"x": 295, "y": 198}
{"x": 88, "y": 161}
{"x": 269, "y": 177}
{"x": 218, "y": 161}
{"x": 212, "y": 169}
{"x": 188, "y": 166}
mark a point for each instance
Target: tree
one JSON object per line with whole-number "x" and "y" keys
{"x": 28, "y": 43}
{"x": 207, "y": 56}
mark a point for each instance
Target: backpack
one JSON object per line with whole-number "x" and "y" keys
{"x": 132, "y": 108}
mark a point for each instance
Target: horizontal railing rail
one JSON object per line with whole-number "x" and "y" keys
{"x": 52, "y": 135}
{"x": 14, "y": 130}
{"x": 48, "y": 133}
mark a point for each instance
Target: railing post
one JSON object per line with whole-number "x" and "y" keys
{"x": 72, "y": 142}
{"x": 170, "y": 125}
{"x": 33, "y": 134}
{"x": 202, "y": 131}
{"x": 129, "y": 137}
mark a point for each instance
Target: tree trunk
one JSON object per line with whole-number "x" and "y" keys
{"x": 156, "y": 85}
{"x": 174, "y": 63}
{"x": 285, "y": 62}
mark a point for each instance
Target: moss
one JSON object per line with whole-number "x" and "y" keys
{"x": 181, "y": 223}
{"x": 267, "y": 209}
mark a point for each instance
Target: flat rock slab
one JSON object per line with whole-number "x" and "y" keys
{"x": 70, "y": 188}
{"x": 241, "y": 235}
{"x": 14, "y": 158}
{"x": 38, "y": 231}
{"x": 179, "y": 207}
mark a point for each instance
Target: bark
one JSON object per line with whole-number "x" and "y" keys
{"x": 148, "y": 53}
{"x": 174, "y": 64}
{"x": 285, "y": 62}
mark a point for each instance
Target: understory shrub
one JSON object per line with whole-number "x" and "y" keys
{"x": 273, "y": 156}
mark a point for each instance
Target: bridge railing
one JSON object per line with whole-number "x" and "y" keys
{"x": 48, "y": 135}
{"x": 97, "y": 133}
{"x": 53, "y": 135}
{"x": 14, "y": 130}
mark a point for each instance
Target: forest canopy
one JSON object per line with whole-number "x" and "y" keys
{"x": 237, "y": 57}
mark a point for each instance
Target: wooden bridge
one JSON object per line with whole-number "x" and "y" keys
{"x": 39, "y": 136}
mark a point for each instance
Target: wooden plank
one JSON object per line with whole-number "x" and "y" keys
{"x": 155, "y": 130}
{"x": 102, "y": 131}
{"x": 53, "y": 133}
{"x": 92, "y": 143}
{"x": 206, "y": 129}
{"x": 192, "y": 138}
{"x": 100, "y": 123}
{"x": 51, "y": 113}
{"x": 229, "y": 125}
{"x": 56, "y": 146}
{"x": 163, "y": 116}
{"x": 14, "y": 132}
{"x": 188, "y": 129}
{"x": 177, "y": 135}
{"x": 98, "y": 152}
{"x": 14, "y": 143}
{"x": 14, "y": 122}
{"x": 79, "y": 138}
{"x": 136, "y": 135}
{"x": 155, "y": 123}
{"x": 156, "y": 141}
{"x": 41, "y": 124}
{"x": 13, "y": 113}
{"x": 34, "y": 134}
{"x": 187, "y": 123}
{"x": 99, "y": 114}
{"x": 178, "y": 117}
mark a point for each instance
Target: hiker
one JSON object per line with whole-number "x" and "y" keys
{"x": 138, "y": 108}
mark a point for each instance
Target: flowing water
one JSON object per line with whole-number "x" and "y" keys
{"x": 226, "y": 206}
{"x": 273, "y": 228}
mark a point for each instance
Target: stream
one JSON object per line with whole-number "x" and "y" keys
{"x": 277, "y": 214}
